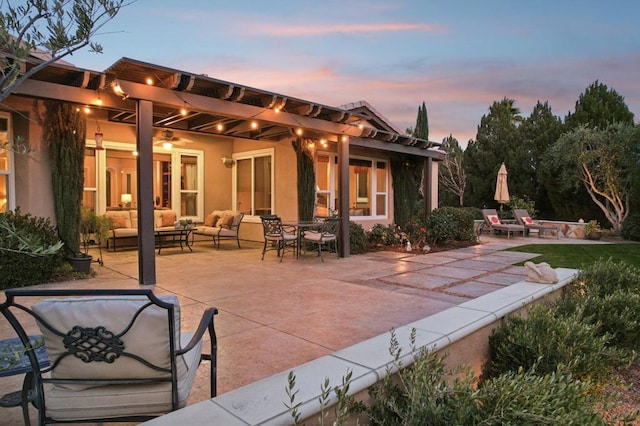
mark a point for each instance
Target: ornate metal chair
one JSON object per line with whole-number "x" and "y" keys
{"x": 277, "y": 236}
{"x": 115, "y": 355}
{"x": 325, "y": 236}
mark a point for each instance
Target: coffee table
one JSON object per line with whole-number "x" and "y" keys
{"x": 171, "y": 237}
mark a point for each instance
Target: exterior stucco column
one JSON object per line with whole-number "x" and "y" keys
{"x": 430, "y": 185}
{"x": 343, "y": 200}
{"x": 146, "y": 234}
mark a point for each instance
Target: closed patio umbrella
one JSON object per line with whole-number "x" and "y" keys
{"x": 502, "y": 189}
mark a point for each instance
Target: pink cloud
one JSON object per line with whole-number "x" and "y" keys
{"x": 344, "y": 28}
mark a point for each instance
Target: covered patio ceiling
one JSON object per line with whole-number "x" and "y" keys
{"x": 198, "y": 103}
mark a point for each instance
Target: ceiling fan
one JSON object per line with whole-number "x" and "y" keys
{"x": 167, "y": 139}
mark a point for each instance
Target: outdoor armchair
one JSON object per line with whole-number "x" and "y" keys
{"x": 115, "y": 355}
{"x": 492, "y": 220}
{"x": 524, "y": 218}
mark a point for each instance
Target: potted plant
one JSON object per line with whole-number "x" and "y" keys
{"x": 592, "y": 230}
{"x": 65, "y": 131}
{"x": 184, "y": 224}
{"x": 94, "y": 229}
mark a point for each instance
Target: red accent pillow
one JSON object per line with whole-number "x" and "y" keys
{"x": 493, "y": 219}
{"x": 527, "y": 220}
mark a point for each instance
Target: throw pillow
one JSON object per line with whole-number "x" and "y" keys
{"x": 527, "y": 220}
{"x": 493, "y": 219}
{"x": 168, "y": 218}
{"x": 211, "y": 220}
{"x": 226, "y": 221}
{"x": 118, "y": 221}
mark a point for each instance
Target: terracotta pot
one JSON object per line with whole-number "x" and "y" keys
{"x": 594, "y": 235}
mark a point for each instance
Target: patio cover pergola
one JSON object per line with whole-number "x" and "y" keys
{"x": 151, "y": 96}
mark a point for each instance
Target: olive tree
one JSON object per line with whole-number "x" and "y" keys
{"x": 56, "y": 28}
{"x": 452, "y": 177}
{"x": 602, "y": 162}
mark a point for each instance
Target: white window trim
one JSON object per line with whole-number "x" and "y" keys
{"x": 234, "y": 187}
{"x": 11, "y": 170}
{"x": 333, "y": 182}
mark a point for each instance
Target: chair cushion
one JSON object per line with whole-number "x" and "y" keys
{"x": 493, "y": 219}
{"x": 123, "y": 400}
{"x": 148, "y": 338}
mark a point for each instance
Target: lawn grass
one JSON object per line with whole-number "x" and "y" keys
{"x": 577, "y": 255}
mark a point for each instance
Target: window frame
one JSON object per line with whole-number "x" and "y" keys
{"x": 252, "y": 155}
{"x": 373, "y": 181}
{"x": 175, "y": 153}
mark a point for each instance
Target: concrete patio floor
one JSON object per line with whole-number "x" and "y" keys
{"x": 274, "y": 316}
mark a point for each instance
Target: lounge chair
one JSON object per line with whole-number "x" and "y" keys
{"x": 524, "y": 218}
{"x": 492, "y": 220}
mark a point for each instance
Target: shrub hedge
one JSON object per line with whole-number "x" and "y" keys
{"x": 18, "y": 268}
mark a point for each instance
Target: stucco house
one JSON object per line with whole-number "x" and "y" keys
{"x": 165, "y": 138}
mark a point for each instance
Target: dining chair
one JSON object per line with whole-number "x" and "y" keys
{"x": 278, "y": 236}
{"x": 325, "y": 236}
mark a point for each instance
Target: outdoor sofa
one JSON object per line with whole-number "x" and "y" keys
{"x": 221, "y": 225}
{"x": 124, "y": 224}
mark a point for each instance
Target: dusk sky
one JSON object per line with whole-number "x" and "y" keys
{"x": 456, "y": 56}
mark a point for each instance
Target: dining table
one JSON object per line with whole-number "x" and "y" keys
{"x": 300, "y": 227}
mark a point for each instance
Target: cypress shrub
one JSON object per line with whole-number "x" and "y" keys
{"x": 65, "y": 132}
{"x": 306, "y": 180}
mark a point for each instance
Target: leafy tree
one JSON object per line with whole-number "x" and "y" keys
{"x": 602, "y": 162}
{"x": 452, "y": 178}
{"x": 58, "y": 28}
{"x": 598, "y": 107}
{"x": 536, "y": 134}
{"x": 496, "y": 138}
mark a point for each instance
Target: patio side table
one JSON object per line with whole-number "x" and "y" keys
{"x": 22, "y": 365}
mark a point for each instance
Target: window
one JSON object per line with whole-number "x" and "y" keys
{"x": 111, "y": 179}
{"x": 325, "y": 188}
{"x": 7, "y": 178}
{"x": 368, "y": 186}
{"x": 253, "y": 182}
{"x": 189, "y": 186}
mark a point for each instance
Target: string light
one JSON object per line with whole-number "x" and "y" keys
{"x": 254, "y": 125}
{"x": 220, "y": 127}
{"x": 299, "y": 131}
{"x": 99, "y": 100}
{"x": 149, "y": 81}
{"x": 184, "y": 111}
